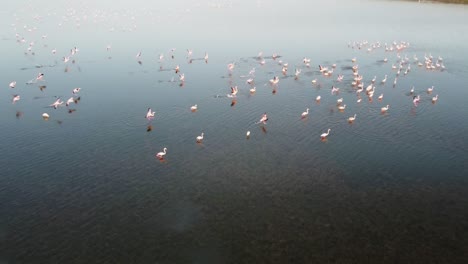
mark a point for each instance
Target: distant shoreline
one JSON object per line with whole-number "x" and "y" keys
{"x": 442, "y": 1}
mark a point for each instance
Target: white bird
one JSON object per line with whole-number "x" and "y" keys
{"x": 359, "y": 100}
{"x": 339, "y": 101}
{"x": 206, "y": 57}
{"x": 275, "y": 80}
{"x": 342, "y": 107}
{"x": 318, "y": 98}
{"x": 69, "y": 101}
{"x": 373, "y": 80}
{"x": 264, "y": 118}
{"x": 380, "y": 97}
{"x": 200, "y": 138}
{"x": 385, "y": 79}
{"x": 434, "y": 99}
{"x": 160, "y": 155}
{"x": 304, "y": 114}
{"x": 45, "y": 116}
{"x": 314, "y": 81}
{"x": 385, "y": 108}
{"x": 429, "y": 90}
{"x": 150, "y": 114}
{"x": 250, "y": 81}
{"x": 76, "y": 90}
{"x": 253, "y": 90}
{"x": 334, "y": 89}
{"x": 16, "y": 98}
{"x": 57, "y": 103}
{"x": 324, "y": 135}
{"x": 247, "y": 134}
{"x": 39, "y": 77}
{"x": 13, "y": 84}
{"x": 138, "y": 55}
{"x": 230, "y": 66}
{"x": 182, "y": 77}
{"x": 234, "y": 90}
{"x": 194, "y": 107}
{"x": 416, "y": 100}
{"x": 177, "y": 69}
{"x": 298, "y": 71}
{"x": 412, "y": 90}
{"x": 352, "y": 118}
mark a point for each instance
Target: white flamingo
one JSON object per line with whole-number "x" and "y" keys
{"x": 352, "y": 118}
{"x": 16, "y": 98}
{"x": 306, "y": 113}
{"x": 384, "y": 79}
{"x": 200, "y": 138}
{"x": 161, "y": 155}
{"x": 384, "y": 109}
{"x": 150, "y": 114}
{"x": 194, "y": 107}
{"x": 12, "y": 84}
{"x": 325, "y": 135}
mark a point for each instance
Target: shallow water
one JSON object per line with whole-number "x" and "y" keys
{"x": 85, "y": 187}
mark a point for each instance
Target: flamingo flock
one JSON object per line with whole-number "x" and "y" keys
{"x": 321, "y": 74}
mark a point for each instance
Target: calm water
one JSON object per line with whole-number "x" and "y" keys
{"x": 85, "y": 187}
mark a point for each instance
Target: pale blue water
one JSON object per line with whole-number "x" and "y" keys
{"x": 85, "y": 187}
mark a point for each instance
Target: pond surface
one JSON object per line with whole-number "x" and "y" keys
{"x": 85, "y": 186}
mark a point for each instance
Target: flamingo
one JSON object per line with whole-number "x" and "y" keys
{"x": 45, "y": 116}
{"x": 384, "y": 109}
{"x": 39, "y": 77}
{"x": 69, "y": 101}
{"x": 182, "y": 77}
{"x": 380, "y": 97}
{"x": 230, "y": 66}
{"x": 150, "y": 114}
{"x": 429, "y": 90}
{"x": 247, "y": 134}
{"x": 57, "y": 103}
{"x": 206, "y": 57}
{"x": 359, "y": 100}
{"x": 13, "y": 84}
{"x": 339, "y": 101}
{"x": 234, "y": 90}
{"x": 253, "y": 90}
{"x": 298, "y": 71}
{"x": 275, "y": 80}
{"x": 177, "y": 69}
{"x": 334, "y": 90}
{"x": 416, "y": 100}
{"x": 342, "y": 107}
{"x": 76, "y": 90}
{"x": 325, "y": 135}
{"x": 306, "y": 113}
{"x": 412, "y": 90}
{"x": 352, "y": 118}
{"x": 314, "y": 81}
{"x": 16, "y": 98}
{"x": 385, "y": 79}
{"x": 318, "y": 98}
{"x": 373, "y": 80}
{"x": 434, "y": 99}
{"x": 200, "y": 138}
{"x": 264, "y": 118}
{"x": 194, "y": 108}
{"x": 161, "y": 155}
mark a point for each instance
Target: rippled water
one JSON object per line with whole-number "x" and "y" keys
{"x": 85, "y": 187}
